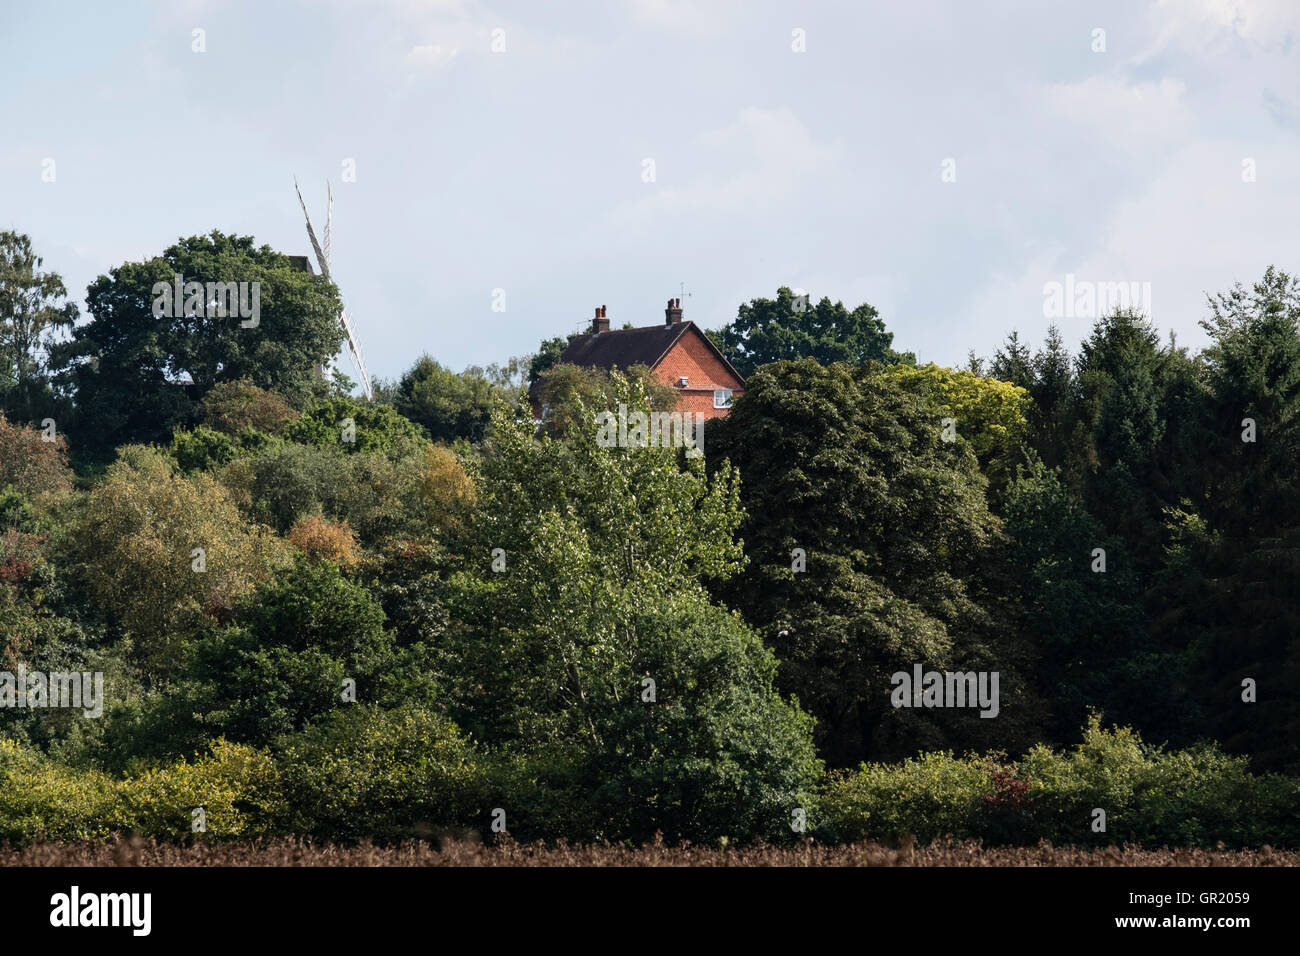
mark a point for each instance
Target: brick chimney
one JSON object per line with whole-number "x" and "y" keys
{"x": 600, "y": 323}
{"x": 673, "y": 314}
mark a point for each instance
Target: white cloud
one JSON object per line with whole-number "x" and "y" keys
{"x": 761, "y": 158}
{"x": 686, "y": 16}
{"x": 1196, "y": 229}
{"x": 1267, "y": 23}
{"x": 432, "y": 53}
{"x": 1132, "y": 117}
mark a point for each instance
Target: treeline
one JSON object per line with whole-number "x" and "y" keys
{"x": 320, "y": 615}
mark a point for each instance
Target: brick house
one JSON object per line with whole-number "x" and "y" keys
{"x": 679, "y": 354}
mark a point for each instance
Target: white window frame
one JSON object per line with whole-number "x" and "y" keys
{"x": 726, "y": 402}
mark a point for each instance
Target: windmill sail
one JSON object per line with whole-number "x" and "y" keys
{"x": 323, "y": 258}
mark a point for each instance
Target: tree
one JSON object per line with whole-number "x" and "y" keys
{"x": 231, "y": 407}
{"x": 1253, "y": 372}
{"x": 137, "y": 374}
{"x": 1122, "y": 420}
{"x": 870, "y": 548}
{"x": 446, "y": 489}
{"x": 322, "y": 539}
{"x": 377, "y": 492}
{"x": 31, "y": 464}
{"x": 571, "y": 396}
{"x": 1013, "y": 364}
{"x": 581, "y": 582}
{"x": 548, "y": 353}
{"x": 1052, "y": 418}
{"x": 1227, "y": 589}
{"x": 296, "y": 651}
{"x": 990, "y": 413}
{"x": 1094, "y": 650}
{"x": 790, "y": 327}
{"x": 164, "y": 553}
{"x": 446, "y": 405}
{"x": 344, "y": 424}
{"x": 29, "y": 313}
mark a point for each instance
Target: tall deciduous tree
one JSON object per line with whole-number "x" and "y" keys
{"x": 792, "y": 327}
{"x": 137, "y": 374}
{"x": 871, "y": 548}
{"x": 585, "y": 633}
{"x": 163, "y": 553}
{"x": 30, "y": 313}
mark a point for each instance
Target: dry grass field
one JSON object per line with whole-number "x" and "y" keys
{"x": 460, "y": 853}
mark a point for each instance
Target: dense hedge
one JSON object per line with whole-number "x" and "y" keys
{"x": 390, "y": 775}
{"x": 1154, "y": 797}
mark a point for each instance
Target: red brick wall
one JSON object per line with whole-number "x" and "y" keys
{"x": 695, "y": 360}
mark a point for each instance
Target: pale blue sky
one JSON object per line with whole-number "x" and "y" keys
{"x": 522, "y": 170}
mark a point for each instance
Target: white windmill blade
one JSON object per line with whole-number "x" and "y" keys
{"x": 354, "y": 346}
{"x": 323, "y": 258}
{"x": 311, "y": 234}
{"x": 329, "y": 218}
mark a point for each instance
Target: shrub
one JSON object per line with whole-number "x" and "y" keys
{"x": 231, "y": 407}
{"x": 446, "y": 490}
{"x": 201, "y": 449}
{"x": 237, "y": 787}
{"x": 42, "y": 800}
{"x": 32, "y": 465}
{"x": 1195, "y": 797}
{"x": 929, "y": 796}
{"x": 381, "y": 775}
{"x": 137, "y": 539}
{"x": 321, "y": 538}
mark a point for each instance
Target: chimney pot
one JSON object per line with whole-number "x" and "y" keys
{"x": 599, "y": 323}
{"x": 673, "y": 314}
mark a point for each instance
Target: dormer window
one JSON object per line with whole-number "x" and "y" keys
{"x": 722, "y": 398}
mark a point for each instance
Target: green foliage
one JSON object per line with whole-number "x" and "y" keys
{"x": 237, "y": 787}
{"x": 201, "y": 449}
{"x": 1152, "y": 797}
{"x": 232, "y": 407}
{"x": 989, "y": 413}
{"x": 547, "y": 355}
{"x": 849, "y": 467}
{"x": 136, "y": 541}
{"x": 382, "y": 775}
{"x": 347, "y": 425}
{"x": 930, "y": 795}
{"x": 377, "y": 493}
{"x": 126, "y": 365}
{"x": 30, "y": 315}
{"x": 604, "y": 550}
{"x": 571, "y": 396}
{"x": 1080, "y": 616}
{"x": 288, "y": 654}
{"x": 448, "y": 406}
{"x": 628, "y": 636}
{"x": 791, "y": 327}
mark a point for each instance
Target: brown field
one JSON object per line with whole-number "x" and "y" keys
{"x": 136, "y": 852}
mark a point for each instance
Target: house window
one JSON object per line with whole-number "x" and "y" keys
{"x": 722, "y": 398}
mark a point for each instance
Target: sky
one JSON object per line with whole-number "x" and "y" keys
{"x": 501, "y": 168}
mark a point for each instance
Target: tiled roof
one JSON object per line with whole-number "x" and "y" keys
{"x": 623, "y": 347}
